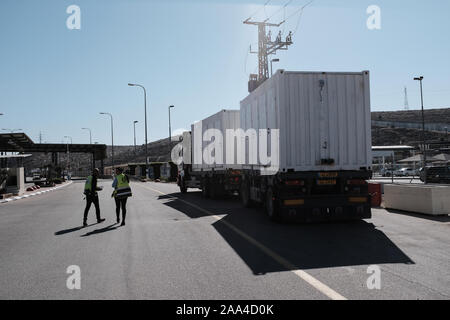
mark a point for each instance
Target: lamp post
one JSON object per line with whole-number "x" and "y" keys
{"x": 90, "y": 134}
{"x": 90, "y": 142}
{"x": 134, "y": 125}
{"x": 273, "y": 60}
{"x": 1, "y": 115}
{"x": 423, "y": 130}
{"x": 145, "y": 110}
{"x": 112, "y": 139}
{"x": 68, "y": 155}
{"x": 170, "y": 129}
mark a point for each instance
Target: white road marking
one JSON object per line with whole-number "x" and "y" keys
{"x": 35, "y": 194}
{"x": 321, "y": 287}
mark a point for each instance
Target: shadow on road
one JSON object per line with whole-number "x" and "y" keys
{"x": 61, "y": 232}
{"x": 420, "y": 216}
{"x": 306, "y": 246}
{"x": 102, "y": 230}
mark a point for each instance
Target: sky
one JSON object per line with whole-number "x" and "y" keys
{"x": 193, "y": 54}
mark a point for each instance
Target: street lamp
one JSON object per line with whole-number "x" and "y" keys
{"x": 90, "y": 142}
{"x": 170, "y": 130}
{"x": 90, "y": 134}
{"x": 112, "y": 139}
{"x": 145, "y": 109}
{"x": 273, "y": 60}
{"x": 423, "y": 130}
{"x": 134, "y": 125}
{"x": 68, "y": 154}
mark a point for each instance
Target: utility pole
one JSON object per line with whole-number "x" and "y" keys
{"x": 112, "y": 140}
{"x": 406, "y": 99}
{"x": 170, "y": 129}
{"x": 68, "y": 155}
{"x": 90, "y": 142}
{"x": 423, "y": 131}
{"x": 134, "y": 125}
{"x": 266, "y": 47}
{"x": 145, "y": 117}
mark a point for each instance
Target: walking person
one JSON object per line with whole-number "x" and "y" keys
{"x": 90, "y": 190}
{"x": 121, "y": 193}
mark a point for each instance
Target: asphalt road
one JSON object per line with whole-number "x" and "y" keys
{"x": 184, "y": 247}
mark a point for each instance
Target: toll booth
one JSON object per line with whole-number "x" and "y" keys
{"x": 12, "y": 175}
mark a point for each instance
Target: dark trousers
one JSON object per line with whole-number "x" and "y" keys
{"x": 121, "y": 203}
{"x": 92, "y": 199}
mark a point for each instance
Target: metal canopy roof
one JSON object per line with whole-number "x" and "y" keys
{"x": 16, "y": 156}
{"x": 20, "y": 142}
{"x": 15, "y": 141}
{"x": 392, "y": 148}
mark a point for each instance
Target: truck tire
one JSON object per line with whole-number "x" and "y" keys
{"x": 270, "y": 206}
{"x": 245, "y": 195}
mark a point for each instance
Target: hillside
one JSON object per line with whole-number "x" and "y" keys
{"x": 431, "y": 116}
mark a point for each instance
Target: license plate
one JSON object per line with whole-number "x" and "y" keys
{"x": 326, "y": 182}
{"x": 358, "y": 199}
{"x": 296, "y": 202}
{"x": 328, "y": 174}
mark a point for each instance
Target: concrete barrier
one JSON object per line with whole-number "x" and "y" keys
{"x": 427, "y": 199}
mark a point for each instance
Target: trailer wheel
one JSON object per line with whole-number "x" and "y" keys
{"x": 270, "y": 206}
{"x": 245, "y": 195}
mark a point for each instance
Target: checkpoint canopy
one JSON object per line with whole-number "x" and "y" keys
{"x": 20, "y": 142}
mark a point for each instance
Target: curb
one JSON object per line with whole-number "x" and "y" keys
{"x": 34, "y": 194}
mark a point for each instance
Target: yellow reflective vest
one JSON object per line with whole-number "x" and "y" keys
{"x": 122, "y": 189}
{"x": 88, "y": 185}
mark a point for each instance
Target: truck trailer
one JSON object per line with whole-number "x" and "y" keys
{"x": 214, "y": 178}
{"x": 321, "y": 121}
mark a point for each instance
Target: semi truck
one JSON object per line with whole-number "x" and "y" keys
{"x": 318, "y": 127}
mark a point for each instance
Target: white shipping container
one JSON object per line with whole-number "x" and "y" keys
{"x": 321, "y": 116}
{"x": 223, "y": 120}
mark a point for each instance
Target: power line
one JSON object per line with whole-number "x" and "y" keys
{"x": 300, "y": 10}
{"x": 257, "y": 11}
{"x": 283, "y": 7}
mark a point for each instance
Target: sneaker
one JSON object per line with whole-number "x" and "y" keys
{"x": 85, "y": 225}
{"x": 123, "y": 223}
{"x": 101, "y": 220}
{"x": 118, "y": 220}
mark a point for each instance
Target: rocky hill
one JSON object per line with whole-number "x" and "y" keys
{"x": 431, "y": 115}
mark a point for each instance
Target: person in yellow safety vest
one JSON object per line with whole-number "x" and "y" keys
{"x": 121, "y": 193}
{"x": 90, "y": 191}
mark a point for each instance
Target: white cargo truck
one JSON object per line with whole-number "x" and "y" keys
{"x": 318, "y": 124}
{"x": 325, "y": 156}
